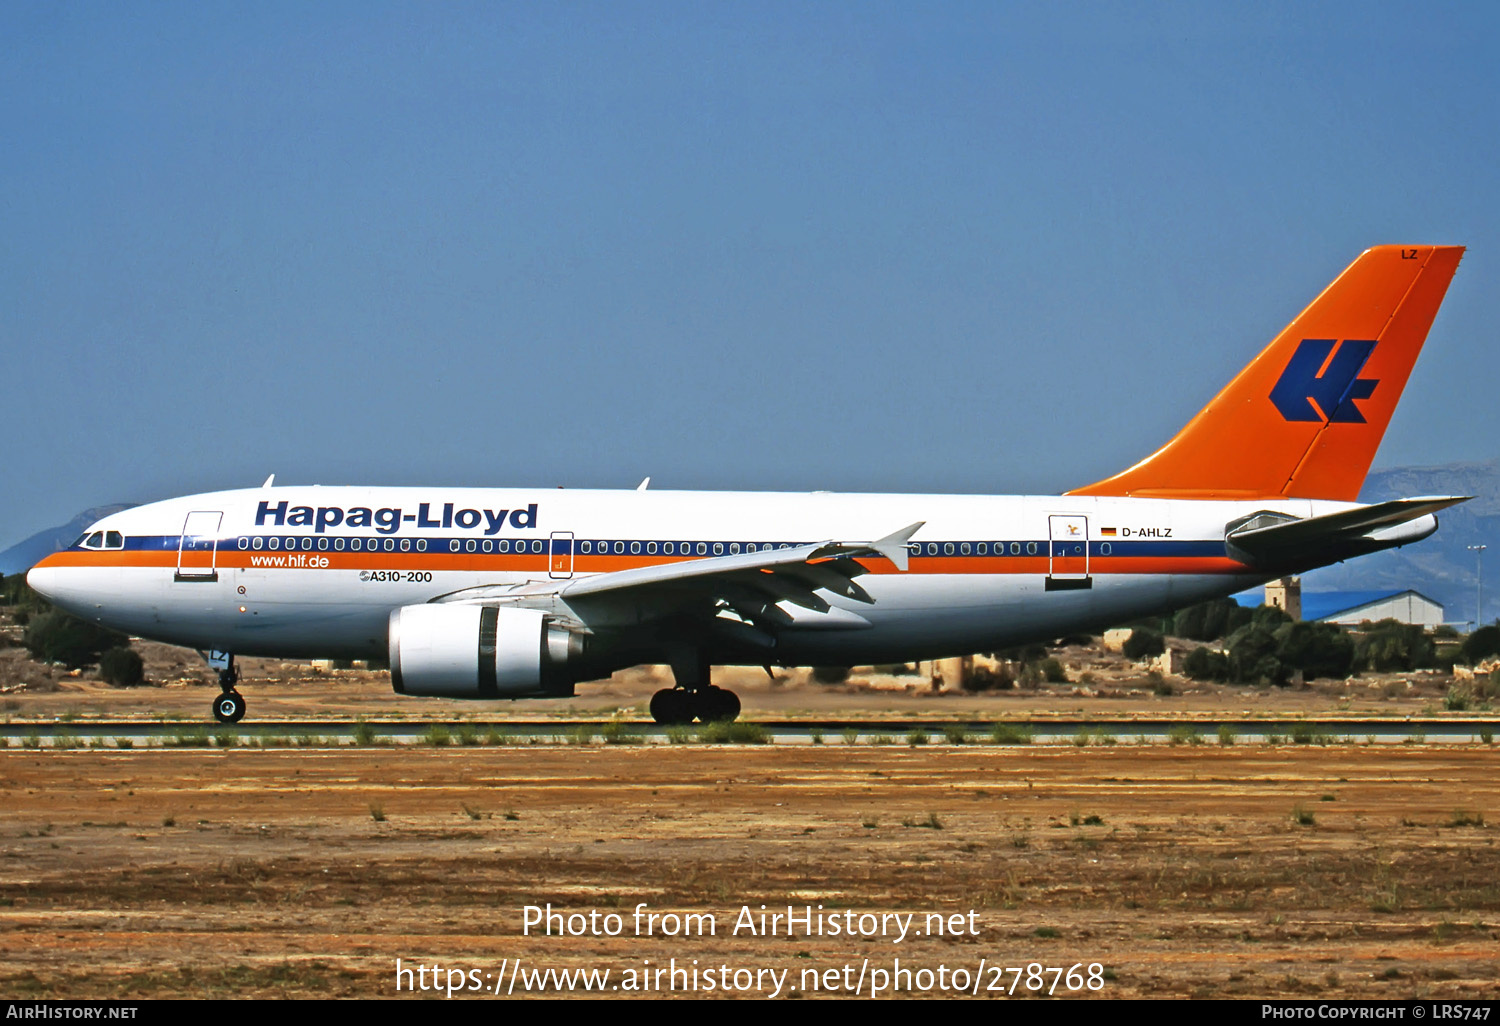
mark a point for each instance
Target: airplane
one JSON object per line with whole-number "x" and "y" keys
{"x": 519, "y": 593}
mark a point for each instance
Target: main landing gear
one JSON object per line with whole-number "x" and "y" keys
{"x": 693, "y": 697}
{"x": 680, "y": 706}
{"x": 229, "y": 707}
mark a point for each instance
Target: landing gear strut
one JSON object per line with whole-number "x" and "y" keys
{"x": 229, "y": 707}
{"x": 693, "y": 697}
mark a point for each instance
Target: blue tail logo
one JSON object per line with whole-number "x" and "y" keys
{"x": 1334, "y": 390}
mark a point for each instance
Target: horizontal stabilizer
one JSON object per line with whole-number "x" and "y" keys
{"x": 1317, "y": 541}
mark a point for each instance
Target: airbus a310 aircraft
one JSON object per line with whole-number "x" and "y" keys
{"x": 507, "y": 593}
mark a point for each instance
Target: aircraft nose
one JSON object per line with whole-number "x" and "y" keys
{"x": 43, "y": 581}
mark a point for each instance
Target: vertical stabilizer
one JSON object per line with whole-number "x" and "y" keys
{"x": 1305, "y": 417}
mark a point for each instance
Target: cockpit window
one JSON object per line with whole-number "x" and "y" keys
{"x": 93, "y": 540}
{"x": 114, "y": 540}
{"x": 99, "y": 540}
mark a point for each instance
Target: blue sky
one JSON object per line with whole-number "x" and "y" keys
{"x": 893, "y": 247}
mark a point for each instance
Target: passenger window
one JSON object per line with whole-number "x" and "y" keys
{"x": 390, "y": 545}
{"x": 1031, "y": 548}
{"x": 734, "y": 548}
{"x": 964, "y": 549}
{"x": 667, "y": 547}
{"x": 243, "y": 543}
{"x": 469, "y": 545}
{"x": 504, "y": 545}
{"x": 635, "y": 548}
{"x": 718, "y": 548}
{"x": 255, "y": 542}
{"x": 487, "y": 545}
{"x": 651, "y": 548}
{"x": 984, "y": 548}
{"x": 322, "y": 544}
{"x": 586, "y": 547}
{"x": 702, "y": 548}
{"x": 421, "y": 544}
{"x": 452, "y": 544}
{"x": 619, "y": 548}
{"x": 405, "y": 544}
{"x": 947, "y": 548}
{"x": 1015, "y": 548}
{"x": 273, "y": 543}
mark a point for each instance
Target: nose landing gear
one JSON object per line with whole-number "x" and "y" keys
{"x": 229, "y": 707}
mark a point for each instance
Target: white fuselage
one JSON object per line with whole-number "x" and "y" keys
{"x": 316, "y": 572}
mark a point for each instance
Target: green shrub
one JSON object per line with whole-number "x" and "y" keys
{"x": 1184, "y": 734}
{"x": 122, "y": 666}
{"x": 956, "y": 734}
{"x": 618, "y": 732}
{"x": 1052, "y": 671}
{"x": 1010, "y": 734}
{"x": 1205, "y": 664}
{"x": 59, "y": 637}
{"x": 740, "y": 732}
{"x": 1143, "y": 644}
{"x": 983, "y": 678}
{"x": 1482, "y": 644}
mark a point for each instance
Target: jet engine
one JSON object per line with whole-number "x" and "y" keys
{"x": 462, "y": 651}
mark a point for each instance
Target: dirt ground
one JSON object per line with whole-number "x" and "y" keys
{"x": 1247, "y": 871}
{"x": 1352, "y": 870}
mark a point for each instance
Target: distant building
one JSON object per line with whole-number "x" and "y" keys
{"x": 1348, "y": 608}
{"x": 1286, "y": 595}
{"x": 1355, "y": 607}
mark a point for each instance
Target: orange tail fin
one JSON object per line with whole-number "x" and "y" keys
{"x": 1305, "y": 417}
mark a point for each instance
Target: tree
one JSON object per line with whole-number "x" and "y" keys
{"x": 1211, "y": 620}
{"x": 1254, "y": 658}
{"x": 1391, "y": 645}
{"x": 1317, "y": 649}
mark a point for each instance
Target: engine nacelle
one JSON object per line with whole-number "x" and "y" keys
{"x": 462, "y": 651}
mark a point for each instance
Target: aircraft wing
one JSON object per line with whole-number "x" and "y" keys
{"x": 1269, "y": 541}
{"x": 751, "y": 585}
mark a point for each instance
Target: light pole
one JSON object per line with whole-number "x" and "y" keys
{"x": 1478, "y": 551}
